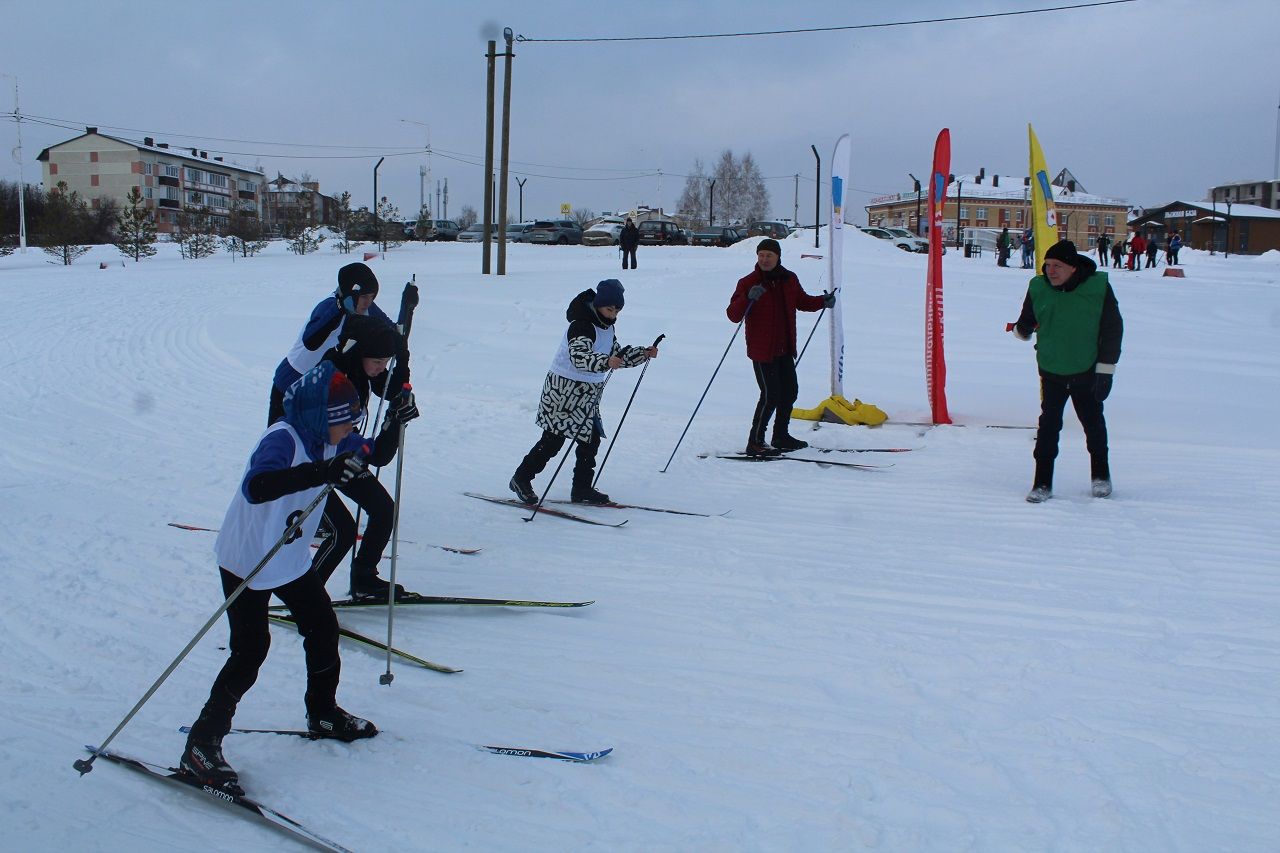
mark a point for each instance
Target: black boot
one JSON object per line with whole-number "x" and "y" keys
{"x": 786, "y": 443}
{"x": 589, "y": 495}
{"x": 523, "y": 488}
{"x": 203, "y": 760}
{"x": 367, "y": 586}
{"x": 338, "y": 724}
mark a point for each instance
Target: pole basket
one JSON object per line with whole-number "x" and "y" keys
{"x": 837, "y": 410}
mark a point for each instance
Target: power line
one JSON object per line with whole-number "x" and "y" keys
{"x": 522, "y": 38}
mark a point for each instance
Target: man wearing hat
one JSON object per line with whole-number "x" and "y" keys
{"x": 1075, "y": 317}
{"x": 570, "y": 402}
{"x": 357, "y": 288}
{"x": 768, "y": 298}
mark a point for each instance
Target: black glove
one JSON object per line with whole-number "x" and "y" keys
{"x": 755, "y": 292}
{"x": 410, "y": 297}
{"x": 404, "y": 408}
{"x": 347, "y": 303}
{"x": 1101, "y": 386}
{"x": 344, "y": 468}
{"x": 829, "y": 300}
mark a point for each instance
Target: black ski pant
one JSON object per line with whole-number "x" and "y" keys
{"x": 1055, "y": 390}
{"x": 628, "y": 254}
{"x": 1151, "y": 258}
{"x": 251, "y": 638}
{"x": 338, "y": 528}
{"x": 549, "y": 445}
{"x": 779, "y": 388}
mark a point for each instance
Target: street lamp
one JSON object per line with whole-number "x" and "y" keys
{"x": 1213, "y": 224}
{"x": 521, "y": 184}
{"x": 377, "y": 228}
{"x": 711, "y": 203}
{"x": 1226, "y": 244}
{"x": 917, "y": 183}
{"x": 17, "y": 157}
{"x": 959, "y": 200}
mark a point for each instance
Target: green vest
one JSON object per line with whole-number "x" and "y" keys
{"x": 1067, "y": 340}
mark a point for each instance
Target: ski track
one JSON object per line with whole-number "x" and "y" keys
{"x": 911, "y": 658}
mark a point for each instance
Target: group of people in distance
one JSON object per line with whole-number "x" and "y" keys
{"x": 349, "y": 349}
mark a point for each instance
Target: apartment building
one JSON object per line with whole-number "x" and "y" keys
{"x": 100, "y": 166}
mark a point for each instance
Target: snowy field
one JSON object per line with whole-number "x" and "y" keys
{"x": 903, "y": 659}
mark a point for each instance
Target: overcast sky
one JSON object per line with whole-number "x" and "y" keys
{"x": 1149, "y": 100}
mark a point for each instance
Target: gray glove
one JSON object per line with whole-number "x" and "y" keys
{"x": 755, "y": 292}
{"x": 829, "y": 300}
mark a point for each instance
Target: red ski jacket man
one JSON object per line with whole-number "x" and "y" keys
{"x": 771, "y": 325}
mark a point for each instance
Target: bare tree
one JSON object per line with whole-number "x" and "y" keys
{"x": 583, "y": 215}
{"x": 467, "y": 217}
{"x": 693, "y": 200}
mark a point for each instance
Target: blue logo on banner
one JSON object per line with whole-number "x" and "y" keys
{"x": 837, "y": 191}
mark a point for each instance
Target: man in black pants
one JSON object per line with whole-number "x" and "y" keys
{"x": 1074, "y": 315}
{"x": 628, "y": 240}
{"x": 768, "y": 298}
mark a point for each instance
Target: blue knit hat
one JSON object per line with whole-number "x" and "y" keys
{"x": 608, "y": 294}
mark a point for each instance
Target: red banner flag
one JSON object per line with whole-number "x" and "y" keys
{"x": 935, "y": 364}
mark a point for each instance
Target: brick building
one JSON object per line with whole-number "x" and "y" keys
{"x": 284, "y": 200}
{"x": 1239, "y": 229}
{"x": 99, "y": 166}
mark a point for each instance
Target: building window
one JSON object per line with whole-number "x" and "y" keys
{"x": 172, "y": 171}
{"x": 982, "y": 214}
{"x": 1109, "y": 220}
{"x": 195, "y": 198}
{"x": 53, "y": 168}
{"x": 248, "y": 186}
{"x": 1093, "y": 219}
{"x": 216, "y": 180}
{"x": 193, "y": 175}
{"x": 93, "y": 181}
{"x": 1017, "y": 217}
{"x": 147, "y": 168}
{"x": 1093, "y": 241}
{"x": 93, "y": 156}
{"x": 964, "y": 212}
{"x": 147, "y": 192}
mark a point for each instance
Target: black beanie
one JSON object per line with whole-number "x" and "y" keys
{"x": 769, "y": 245}
{"x": 609, "y": 294}
{"x": 357, "y": 280}
{"x": 1064, "y": 251}
{"x": 371, "y": 337}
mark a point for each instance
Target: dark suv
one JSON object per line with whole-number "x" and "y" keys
{"x": 656, "y": 233}
{"x": 558, "y": 231}
{"x": 776, "y": 230}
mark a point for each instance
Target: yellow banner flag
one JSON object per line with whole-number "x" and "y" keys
{"x": 1044, "y": 218}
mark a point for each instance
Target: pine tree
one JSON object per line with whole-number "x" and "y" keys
{"x": 346, "y": 222}
{"x": 244, "y": 232}
{"x": 63, "y": 224}
{"x": 307, "y": 241}
{"x": 136, "y": 232}
{"x": 196, "y": 235}
{"x": 390, "y": 231}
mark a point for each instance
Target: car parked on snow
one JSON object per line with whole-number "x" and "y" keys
{"x": 438, "y": 229}
{"x": 918, "y": 243}
{"x": 910, "y": 243}
{"x": 475, "y": 233}
{"x": 716, "y": 235}
{"x": 516, "y": 231}
{"x": 602, "y": 234}
{"x": 560, "y": 232}
{"x": 654, "y": 232}
{"x": 776, "y": 230}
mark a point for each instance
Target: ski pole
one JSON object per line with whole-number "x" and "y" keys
{"x": 85, "y": 765}
{"x": 387, "y": 677}
{"x": 623, "y": 419}
{"x": 572, "y": 442}
{"x": 811, "y": 331}
{"x": 708, "y": 388}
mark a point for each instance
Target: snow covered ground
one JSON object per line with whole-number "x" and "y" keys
{"x": 904, "y": 659}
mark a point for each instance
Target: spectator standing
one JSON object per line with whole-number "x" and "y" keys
{"x": 1171, "y": 249}
{"x": 1104, "y": 244}
{"x": 628, "y": 240}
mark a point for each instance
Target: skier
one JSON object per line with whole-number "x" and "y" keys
{"x": 1028, "y": 249}
{"x": 772, "y": 293}
{"x": 1153, "y": 247}
{"x": 367, "y": 345}
{"x": 357, "y": 288}
{"x": 628, "y": 240}
{"x": 1172, "y": 248}
{"x": 1074, "y": 314}
{"x": 313, "y": 444}
{"x": 570, "y": 404}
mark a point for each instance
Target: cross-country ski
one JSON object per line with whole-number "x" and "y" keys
{"x": 552, "y": 511}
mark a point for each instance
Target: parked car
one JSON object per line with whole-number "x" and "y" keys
{"x": 716, "y": 235}
{"x": 654, "y": 232}
{"x": 411, "y": 230}
{"x": 602, "y": 234}
{"x": 439, "y": 229}
{"x": 919, "y": 244}
{"x": 558, "y": 231}
{"x": 475, "y": 233}
{"x": 776, "y": 230}
{"x": 516, "y": 232}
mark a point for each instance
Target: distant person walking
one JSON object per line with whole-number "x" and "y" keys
{"x": 1152, "y": 248}
{"x": 1004, "y": 247}
{"x": 628, "y": 240}
{"x": 1137, "y": 248}
{"x": 1104, "y": 244}
{"x": 1117, "y": 254}
{"x": 1028, "y": 249}
{"x": 1171, "y": 249}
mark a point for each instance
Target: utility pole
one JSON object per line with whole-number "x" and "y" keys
{"x": 917, "y": 182}
{"x": 795, "y": 203}
{"x": 817, "y": 197}
{"x": 507, "y": 35}
{"x": 491, "y": 56}
{"x": 711, "y": 203}
{"x": 446, "y": 199}
{"x": 17, "y": 157}
{"x": 959, "y": 201}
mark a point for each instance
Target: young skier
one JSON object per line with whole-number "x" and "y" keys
{"x": 357, "y": 288}
{"x": 367, "y": 346}
{"x": 570, "y": 404}
{"x": 313, "y": 444}
{"x": 1076, "y": 320}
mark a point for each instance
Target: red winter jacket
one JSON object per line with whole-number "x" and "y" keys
{"x": 771, "y": 325}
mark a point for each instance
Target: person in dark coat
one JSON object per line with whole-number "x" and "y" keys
{"x": 1028, "y": 249}
{"x": 1117, "y": 254}
{"x": 1152, "y": 248}
{"x": 570, "y": 403}
{"x": 1104, "y": 244}
{"x": 768, "y": 298}
{"x": 1004, "y": 248}
{"x": 364, "y": 352}
{"x": 628, "y": 240}
{"x": 1172, "y": 248}
{"x": 1075, "y": 317}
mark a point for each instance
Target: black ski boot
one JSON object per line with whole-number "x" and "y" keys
{"x": 339, "y": 725}
{"x": 760, "y": 450}
{"x": 367, "y": 586}
{"x": 203, "y": 760}
{"x": 523, "y": 489}
{"x": 786, "y": 443}
{"x": 589, "y": 495}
